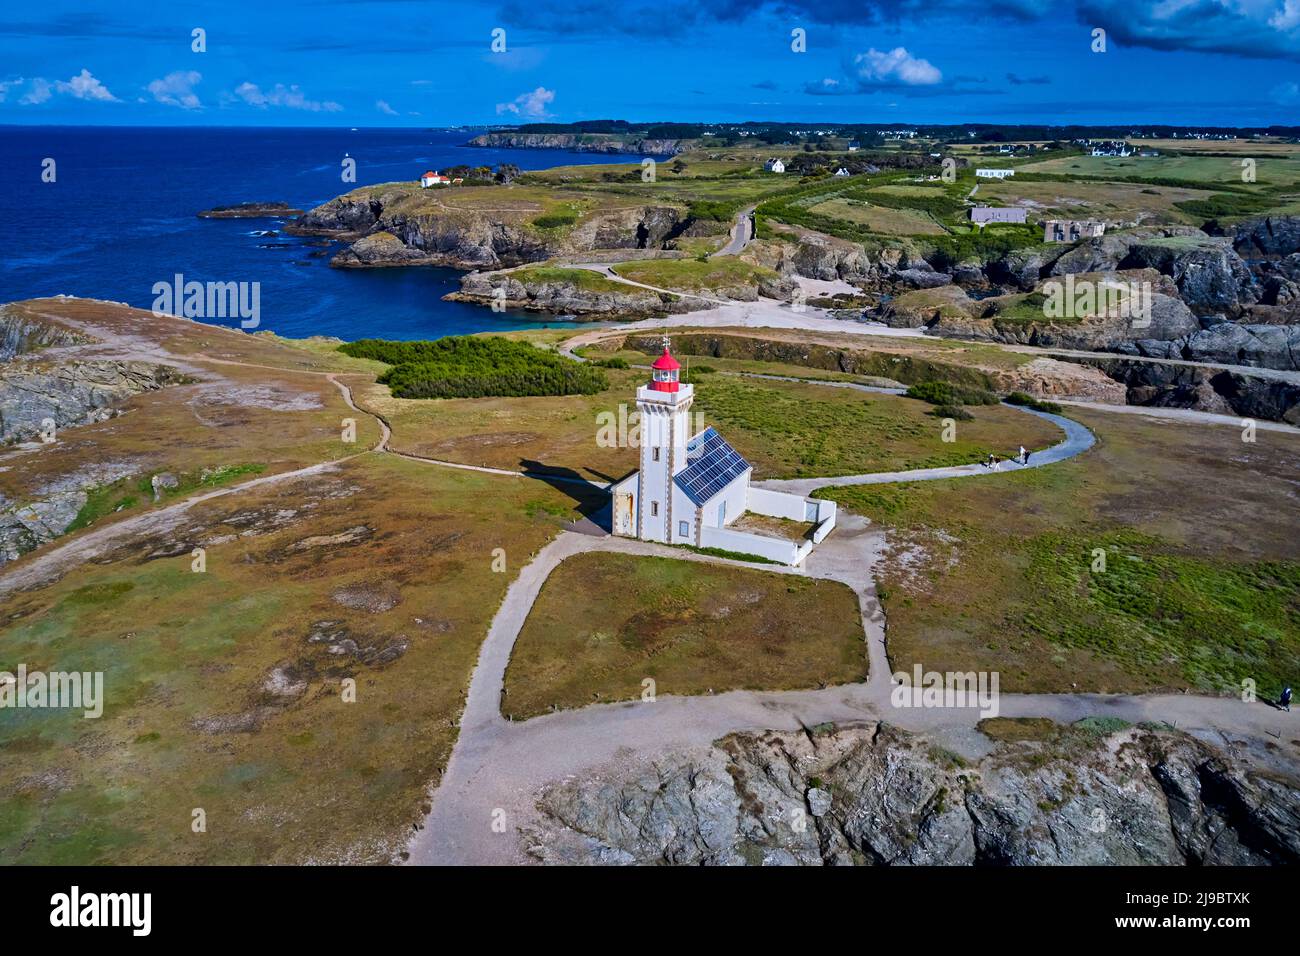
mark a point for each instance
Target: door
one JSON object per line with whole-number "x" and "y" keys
{"x": 623, "y": 514}
{"x": 722, "y": 513}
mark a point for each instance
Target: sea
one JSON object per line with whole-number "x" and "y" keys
{"x": 120, "y": 215}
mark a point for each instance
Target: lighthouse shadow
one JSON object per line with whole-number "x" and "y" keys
{"x": 590, "y": 498}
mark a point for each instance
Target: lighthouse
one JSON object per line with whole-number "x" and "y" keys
{"x": 664, "y": 405}
{"x": 692, "y": 489}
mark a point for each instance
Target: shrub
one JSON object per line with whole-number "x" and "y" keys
{"x": 615, "y": 362}
{"x": 946, "y": 393}
{"x": 951, "y": 411}
{"x": 554, "y": 220}
{"x": 462, "y": 366}
{"x": 702, "y": 370}
{"x": 1028, "y": 401}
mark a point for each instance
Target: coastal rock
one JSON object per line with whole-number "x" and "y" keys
{"x": 400, "y": 224}
{"x": 876, "y": 795}
{"x": 568, "y": 296}
{"x": 1269, "y": 236}
{"x": 72, "y": 393}
{"x": 251, "y": 210}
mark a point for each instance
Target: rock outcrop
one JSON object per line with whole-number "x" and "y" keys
{"x": 73, "y": 393}
{"x": 875, "y": 795}
{"x": 395, "y": 224}
{"x": 568, "y": 296}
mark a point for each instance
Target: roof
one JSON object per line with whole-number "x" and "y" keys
{"x": 428, "y": 173}
{"x": 713, "y": 465}
{"x": 666, "y": 362}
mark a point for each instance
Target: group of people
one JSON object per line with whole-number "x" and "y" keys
{"x": 994, "y": 462}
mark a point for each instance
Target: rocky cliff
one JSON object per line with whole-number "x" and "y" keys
{"x": 876, "y": 795}
{"x": 399, "y": 224}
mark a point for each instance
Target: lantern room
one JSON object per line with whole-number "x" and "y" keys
{"x": 666, "y": 373}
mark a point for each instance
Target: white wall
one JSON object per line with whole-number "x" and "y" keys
{"x": 778, "y": 504}
{"x": 773, "y": 549}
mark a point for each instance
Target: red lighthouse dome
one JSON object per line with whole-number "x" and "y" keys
{"x": 665, "y": 374}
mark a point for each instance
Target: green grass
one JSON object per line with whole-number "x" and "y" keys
{"x": 693, "y": 275}
{"x": 584, "y": 279}
{"x": 122, "y": 495}
{"x": 1003, "y": 572}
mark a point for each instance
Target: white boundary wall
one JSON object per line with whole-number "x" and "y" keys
{"x": 774, "y": 549}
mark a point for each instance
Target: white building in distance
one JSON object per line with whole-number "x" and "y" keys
{"x": 994, "y": 173}
{"x": 774, "y": 165}
{"x": 691, "y": 488}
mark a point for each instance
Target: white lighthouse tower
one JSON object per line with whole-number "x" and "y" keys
{"x": 665, "y": 406}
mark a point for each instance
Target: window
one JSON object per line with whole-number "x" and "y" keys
{"x": 654, "y": 509}
{"x": 654, "y": 454}
{"x": 683, "y": 529}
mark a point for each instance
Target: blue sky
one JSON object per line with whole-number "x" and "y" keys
{"x": 409, "y": 63}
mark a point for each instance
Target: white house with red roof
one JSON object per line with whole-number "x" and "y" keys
{"x": 431, "y": 178}
{"x": 691, "y": 488}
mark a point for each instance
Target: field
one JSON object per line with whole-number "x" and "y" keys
{"x": 1199, "y": 589}
{"x": 880, "y": 219}
{"x": 275, "y": 412}
{"x": 605, "y": 622}
{"x": 1114, "y": 202}
{"x": 785, "y": 429}
{"x": 224, "y": 688}
{"x": 1210, "y": 170}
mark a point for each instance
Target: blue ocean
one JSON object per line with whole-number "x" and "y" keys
{"x": 121, "y": 216}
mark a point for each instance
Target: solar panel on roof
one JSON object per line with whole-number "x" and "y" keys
{"x": 714, "y": 464}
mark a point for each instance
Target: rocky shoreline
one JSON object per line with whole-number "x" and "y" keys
{"x": 872, "y": 794}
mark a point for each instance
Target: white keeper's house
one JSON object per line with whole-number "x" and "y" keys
{"x": 692, "y": 488}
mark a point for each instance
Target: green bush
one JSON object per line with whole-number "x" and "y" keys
{"x": 462, "y": 366}
{"x": 615, "y": 362}
{"x": 951, "y": 411}
{"x": 1028, "y": 401}
{"x": 554, "y": 220}
{"x": 946, "y": 393}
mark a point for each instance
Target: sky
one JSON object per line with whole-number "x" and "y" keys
{"x": 415, "y": 63}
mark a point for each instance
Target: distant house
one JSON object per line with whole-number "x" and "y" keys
{"x": 1072, "y": 230}
{"x": 854, "y": 146}
{"x": 994, "y": 173}
{"x": 774, "y": 166}
{"x": 431, "y": 178}
{"x": 841, "y": 171}
{"x": 985, "y": 214}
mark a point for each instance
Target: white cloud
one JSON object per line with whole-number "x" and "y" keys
{"x": 39, "y": 92}
{"x": 290, "y": 97}
{"x": 895, "y": 68}
{"x": 383, "y": 107}
{"x": 529, "y": 104}
{"x": 85, "y": 87}
{"x": 177, "y": 89}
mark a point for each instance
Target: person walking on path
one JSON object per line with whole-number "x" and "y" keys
{"x": 1286, "y": 699}
{"x": 1024, "y": 456}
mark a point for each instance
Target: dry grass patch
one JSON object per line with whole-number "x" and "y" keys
{"x": 606, "y": 622}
